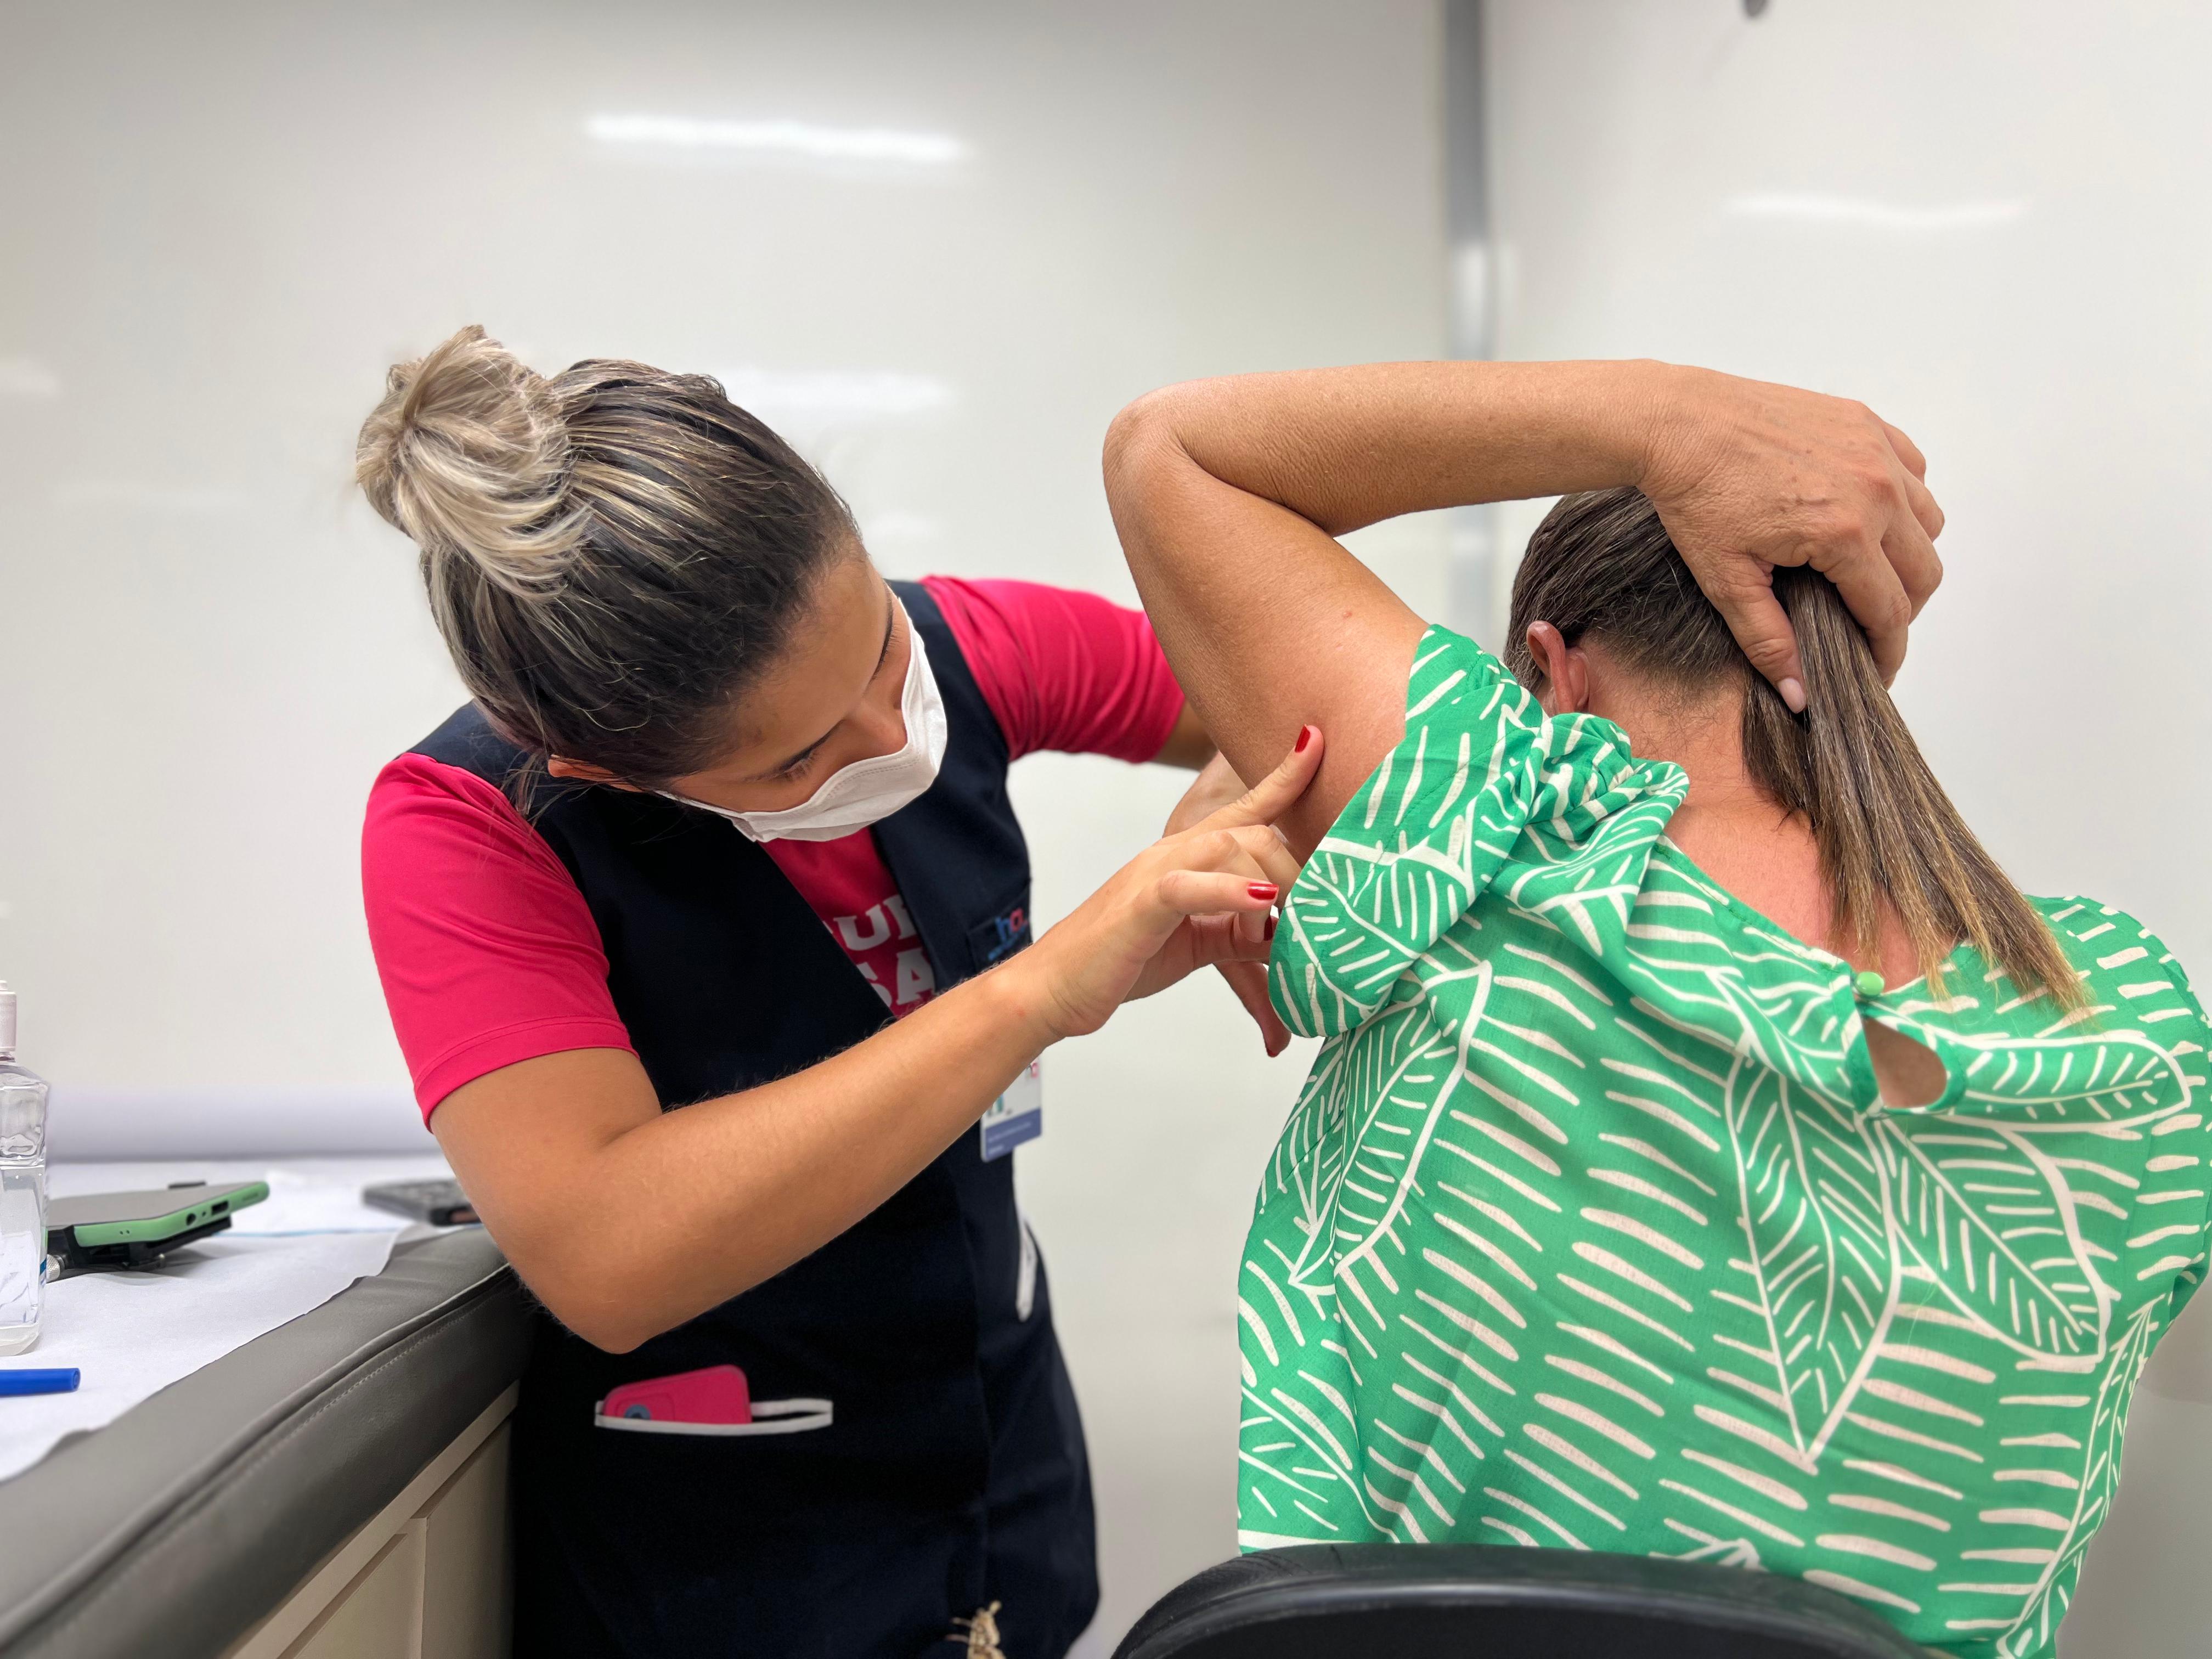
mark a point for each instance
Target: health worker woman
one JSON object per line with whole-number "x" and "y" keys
{"x": 800, "y": 1392}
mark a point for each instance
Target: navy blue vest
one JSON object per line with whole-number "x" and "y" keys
{"x": 952, "y": 1473}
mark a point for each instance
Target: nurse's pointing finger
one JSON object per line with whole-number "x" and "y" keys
{"x": 1276, "y": 793}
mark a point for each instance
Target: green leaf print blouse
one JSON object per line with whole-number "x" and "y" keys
{"x": 1588, "y": 1229}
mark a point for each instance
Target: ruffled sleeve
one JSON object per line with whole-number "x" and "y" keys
{"x": 1425, "y": 834}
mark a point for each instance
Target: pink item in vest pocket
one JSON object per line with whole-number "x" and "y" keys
{"x": 716, "y": 1401}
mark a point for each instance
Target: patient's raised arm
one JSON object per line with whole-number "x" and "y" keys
{"x": 1228, "y": 495}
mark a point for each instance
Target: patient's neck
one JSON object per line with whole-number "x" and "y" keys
{"x": 1703, "y": 734}
{"x": 1729, "y": 827}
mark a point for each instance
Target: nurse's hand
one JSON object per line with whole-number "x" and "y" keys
{"x": 1217, "y": 786}
{"x": 1194, "y": 899}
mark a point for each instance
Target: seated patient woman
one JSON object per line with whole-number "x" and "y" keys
{"x": 1711, "y": 1154}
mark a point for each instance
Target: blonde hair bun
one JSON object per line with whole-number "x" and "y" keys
{"x": 613, "y": 553}
{"x": 468, "y": 453}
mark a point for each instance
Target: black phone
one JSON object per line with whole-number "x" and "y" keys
{"x": 440, "y": 1203}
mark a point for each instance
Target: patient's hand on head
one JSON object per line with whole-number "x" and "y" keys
{"x": 1750, "y": 477}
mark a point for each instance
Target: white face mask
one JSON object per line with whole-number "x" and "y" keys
{"x": 868, "y": 791}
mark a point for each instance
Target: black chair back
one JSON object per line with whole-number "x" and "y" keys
{"x": 1473, "y": 1601}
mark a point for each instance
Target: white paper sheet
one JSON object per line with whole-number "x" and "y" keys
{"x": 134, "y": 1334}
{"x": 302, "y": 1202}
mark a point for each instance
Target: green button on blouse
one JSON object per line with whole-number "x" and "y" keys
{"x": 1589, "y": 1230}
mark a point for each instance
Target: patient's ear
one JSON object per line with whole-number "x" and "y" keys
{"x": 1566, "y": 671}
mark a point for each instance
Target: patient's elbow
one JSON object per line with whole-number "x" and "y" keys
{"x": 1142, "y": 434}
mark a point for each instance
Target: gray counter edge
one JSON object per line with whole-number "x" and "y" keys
{"x": 174, "y": 1528}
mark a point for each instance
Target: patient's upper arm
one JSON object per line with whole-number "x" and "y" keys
{"x": 1269, "y": 623}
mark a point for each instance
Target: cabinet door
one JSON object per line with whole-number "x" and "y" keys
{"x": 468, "y": 1570}
{"x": 379, "y": 1614}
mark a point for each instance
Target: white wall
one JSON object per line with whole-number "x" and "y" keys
{"x": 1992, "y": 220}
{"x": 228, "y": 218}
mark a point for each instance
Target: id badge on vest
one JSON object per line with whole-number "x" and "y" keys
{"x": 1015, "y": 1116}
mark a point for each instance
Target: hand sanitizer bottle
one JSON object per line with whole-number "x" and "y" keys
{"x": 22, "y": 1191}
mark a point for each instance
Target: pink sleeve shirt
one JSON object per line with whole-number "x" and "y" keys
{"x": 490, "y": 956}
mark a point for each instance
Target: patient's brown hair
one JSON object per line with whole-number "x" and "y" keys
{"x": 1602, "y": 564}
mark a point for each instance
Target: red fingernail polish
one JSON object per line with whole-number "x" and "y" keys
{"x": 1305, "y": 736}
{"x": 1262, "y": 889}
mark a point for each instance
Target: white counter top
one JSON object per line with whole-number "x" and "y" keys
{"x": 134, "y": 1333}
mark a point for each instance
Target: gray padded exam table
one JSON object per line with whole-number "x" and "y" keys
{"x": 333, "y": 1490}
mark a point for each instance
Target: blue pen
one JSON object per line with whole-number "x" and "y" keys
{"x": 57, "y": 1382}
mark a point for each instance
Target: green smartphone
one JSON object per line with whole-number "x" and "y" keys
{"x": 131, "y": 1230}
